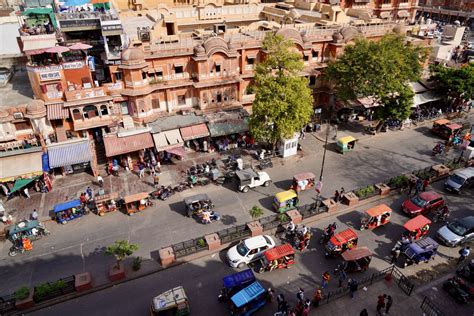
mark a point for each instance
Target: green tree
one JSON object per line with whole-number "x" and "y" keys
{"x": 381, "y": 70}
{"x": 283, "y": 101}
{"x": 120, "y": 250}
{"x": 457, "y": 84}
{"x": 255, "y": 212}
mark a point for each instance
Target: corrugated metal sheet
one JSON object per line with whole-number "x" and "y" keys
{"x": 56, "y": 111}
{"x": 115, "y": 145}
{"x": 195, "y": 131}
{"x": 69, "y": 154}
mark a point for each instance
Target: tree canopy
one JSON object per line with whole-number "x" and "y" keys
{"x": 457, "y": 84}
{"x": 381, "y": 70}
{"x": 120, "y": 250}
{"x": 283, "y": 101}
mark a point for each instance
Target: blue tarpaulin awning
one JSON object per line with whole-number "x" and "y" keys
{"x": 69, "y": 154}
{"x": 67, "y": 205}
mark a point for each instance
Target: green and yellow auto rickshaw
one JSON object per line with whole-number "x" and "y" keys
{"x": 345, "y": 144}
{"x": 285, "y": 201}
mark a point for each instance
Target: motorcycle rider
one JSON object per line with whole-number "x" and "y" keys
{"x": 438, "y": 149}
{"x": 328, "y": 232}
{"x": 443, "y": 213}
{"x": 290, "y": 228}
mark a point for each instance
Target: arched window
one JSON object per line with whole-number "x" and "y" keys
{"x": 90, "y": 111}
{"x": 76, "y": 114}
{"x": 104, "y": 110}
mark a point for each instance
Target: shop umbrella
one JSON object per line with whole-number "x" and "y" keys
{"x": 79, "y": 46}
{"x": 57, "y": 49}
{"x": 21, "y": 183}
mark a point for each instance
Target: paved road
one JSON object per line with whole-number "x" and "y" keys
{"x": 78, "y": 246}
{"x": 202, "y": 278}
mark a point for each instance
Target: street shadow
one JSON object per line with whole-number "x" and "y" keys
{"x": 228, "y": 219}
{"x": 267, "y": 202}
{"x": 178, "y": 207}
{"x": 283, "y": 185}
{"x": 351, "y": 219}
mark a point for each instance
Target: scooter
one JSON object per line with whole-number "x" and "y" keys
{"x": 165, "y": 193}
{"x": 14, "y": 250}
{"x": 441, "y": 215}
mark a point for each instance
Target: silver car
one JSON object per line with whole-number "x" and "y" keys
{"x": 457, "y": 232}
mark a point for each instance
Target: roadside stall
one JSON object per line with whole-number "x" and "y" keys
{"x": 303, "y": 181}
{"x": 340, "y": 242}
{"x": 375, "y": 217}
{"x": 136, "y": 202}
{"x": 233, "y": 283}
{"x": 285, "y": 201}
{"x": 280, "y": 257}
{"x": 416, "y": 227}
{"x": 356, "y": 260}
{"x": 172, "y": 302}
{"x": 30, "y": 229}
{"x": 105, "y": 203}
{"x": 445, "y": 128}
{"x": 346, "y": 144}
{"x": 248, "y": 300}
{"x": 68, "y": 211}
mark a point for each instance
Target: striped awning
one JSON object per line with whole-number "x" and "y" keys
{"x": 56, "y": 111}
{"x": 115, "y": 145}
{"x": 69, "y": 153}
{"x": 194, "y": 131}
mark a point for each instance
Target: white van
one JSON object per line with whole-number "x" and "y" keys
{"x": 460, "y": 180}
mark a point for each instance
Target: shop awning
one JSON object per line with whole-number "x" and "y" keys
{"x": 368, "y": 102}
{"x": 221, "y": 128}
{"x": 115, "y": 145}
{"x": 21, "y": 183}
{"x": 69, "y": 153}
{"x": 178, "y": 151}
{"x": 425, "y": 97}
{"x": 195, "y": 131}
{"x": 21, "y": 163}
{"x": 168, "y": 139}
{"x": 56, "y": 111}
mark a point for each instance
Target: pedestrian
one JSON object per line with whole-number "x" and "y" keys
{"x": 411, "y": 185}
{"x": 318, "y": 296}
{"x": 464, "y": 253}
{"x": 100, "y": 181}
{"x": 27, "y": 194}
{"x": 300, "y": 295}
{"x": 307, "y": 307}
{"x": 82, "y": 199}
{"x": 270, "y": 294}
{"x": 426, "y": 182}
{"x": 299, "y": 308}
{"x": 302, "y": 133}
{"x": 34, "y": 215}
{"x": 342, "y": 193}
{"x": 341, "y": 275}
{"x": 89, "y": 193}
{"x": 280, "y": 301}
{"x": 388, "y": 304}
{"x": 336, "y": 196}
{"x": 380, "y": 303}
{"x": 418, "y": 186}
{"x": 353, "y": 285}
{"x": 156, "y": 179}
{"x": 141, "y": 169}
{"x": 395, "y": 255}
{"x": 364, "y": 312}
{"x": 326, "y": 278}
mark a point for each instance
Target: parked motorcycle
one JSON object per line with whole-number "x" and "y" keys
{"x": 441, "y": 215}
{"x": 265, "y": 163}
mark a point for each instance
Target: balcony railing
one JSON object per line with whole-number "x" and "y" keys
{"x": 92, "y": 122}
{"x": 85, "y": 94}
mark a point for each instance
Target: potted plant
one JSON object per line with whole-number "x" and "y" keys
{"x": 23, "y": 298}
{"x": 256, "y": 212}
{"x": 137, "y": 263}
{"x": 120, "y": 250}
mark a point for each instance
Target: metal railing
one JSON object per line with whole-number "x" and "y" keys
{"x": 235, "y": 233}
{"x": 429, "y": 308}
{"x": 189, "y": 247}
{"x": 7, "y": 303}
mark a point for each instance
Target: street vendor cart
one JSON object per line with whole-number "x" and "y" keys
{"x": 285, "y": 201}
{"x": 280, "y": 257}
{"x": 136, "y": 202}
{"x": 357, "y": 259}
{"x": 173, "y": 302}
{"x": 23, "y": 233}
{"x": 106, "y": 203}
{"x": 416, "y": 227}
{"x": 68, "y": 211}
{"x": 375, "y": 217}
{"x": 345, "y": 144}
{"x": 340, "y": 242}
{"x": 445, "y": 128}
{"x": 303, "y": 181}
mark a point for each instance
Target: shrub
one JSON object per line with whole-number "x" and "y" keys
{"x": 22, "y": 293}
{"x": 398, "y": 182}
{"x": 46, "y": 289}
{"x": 365, "y": 192}
{"x": 255, "y": 212}
{"x": 137, "y": 263}
{"x": 201, "y": 243}
{"x": 283, "y": 218}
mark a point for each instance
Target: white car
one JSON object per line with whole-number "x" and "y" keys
{"x": 249, "y": 179}
{"x": 249, "y": 250}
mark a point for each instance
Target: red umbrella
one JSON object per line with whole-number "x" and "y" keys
{"x": 79, "y": 46}
{"x": 57, "y": 49}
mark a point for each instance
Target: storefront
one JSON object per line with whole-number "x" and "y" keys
{"x": 127, "y": 149}
{"x": 194, "y": 136}
{"x": 228, "y": 130}
{"x": 68, "y": 157}
{"x": 168, "y": 144}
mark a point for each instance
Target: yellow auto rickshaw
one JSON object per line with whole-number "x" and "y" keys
{"x": 345, "y": 144}
{"x": 285, "y": 201}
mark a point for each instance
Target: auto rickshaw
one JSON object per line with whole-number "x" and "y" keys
{"x": 105, "y": 203}
{"x": 445, "y": 128}
{"x": 303, "y": 181}
{"x": 345, "y": 144}
{"x": 375, "y": 217}
{"x": 356, "y": 260}
{"x": 340, "y": 242}
{"x": 68, "y": 211}
{"x": 285, "y": 201}
{"x": 416, "y": 227}
{"x": 136, "y": 202}
{"x": 23, "y": 233}
{"x": 248, "y": 300}
{"x": 234, "y": 283}
{"x": 172, "y": 302}
{"x": 198, "y": 203}
{"x": 280, "y": 257}
{"x": 419, "y": 251}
